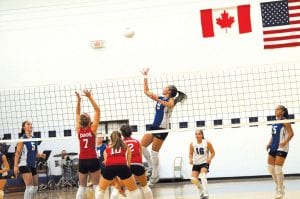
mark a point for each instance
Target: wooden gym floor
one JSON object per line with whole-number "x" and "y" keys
{"x": 221, "y": 189}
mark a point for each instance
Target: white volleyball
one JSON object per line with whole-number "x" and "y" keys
{"x": 128, "y": 32}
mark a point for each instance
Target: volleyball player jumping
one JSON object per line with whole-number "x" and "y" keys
{"x": 164, "y": 107}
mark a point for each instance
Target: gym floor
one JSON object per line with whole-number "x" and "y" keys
{"x": 218, "y": 189}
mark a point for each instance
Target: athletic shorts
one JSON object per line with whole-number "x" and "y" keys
{"x": 26, "y": 169}
{"x": 137, "y": 170}
{"x": 3, "y": 177}
{"x": 278, "y": 153}
{"x": 161, "y": 136}
{"x": 200, "y": 166}
{"x": 112, "y": 171}
{"x": 88, "y": 165}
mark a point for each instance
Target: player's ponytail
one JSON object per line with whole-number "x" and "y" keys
{"x": 85, "y": 120}
{"x": 126, "y": 131}
{"x": 22, "y": 129}
{"x": 178, "y": 95}
{"x": 286, "y": 112}
{"x": 201, "y": 131}
{"x": 116, "y": 140}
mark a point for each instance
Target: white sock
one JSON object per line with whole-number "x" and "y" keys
{"x": 95, "y": 188}
{"x": 147, "y": 192}
{"x": 196, "y": 182}
{"x": 80, "y": 192}
{"x": 99, "y": 194}
{"x": 28, "y": 192}
{"x": 114, "y": 194}
{"x": 147, "y": 156}
{"x": 204, "y": 182}
{"x": 279, "y": 176}
{"x": 271, "y": 170}
{"x": 135, "y": 194}
{"x": 155, "y": 163}
{"x": 35, "y": 189}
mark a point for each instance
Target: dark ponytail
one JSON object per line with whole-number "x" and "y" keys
{"x": 178, "y": 95}
{"x": 286, "y": 112}
{"x": 116, "y": 140}
{"x": 22, "y": 129}
{"x": 126, "y": 131}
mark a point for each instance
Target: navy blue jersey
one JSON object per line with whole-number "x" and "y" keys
{"x": 278, "y": 136}
{"x": 162, "y": 114}
{"x": 100, "y": 150}
{"x": 28, "y": 156}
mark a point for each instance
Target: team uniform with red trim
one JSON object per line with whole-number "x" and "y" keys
{"x": 136, "y": 165}
{"x": 88, "y": 161}
{"x": 116, "y": 164}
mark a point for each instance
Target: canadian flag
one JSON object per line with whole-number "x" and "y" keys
{"x": 225, "y": 20}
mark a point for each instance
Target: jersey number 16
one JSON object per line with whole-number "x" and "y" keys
{"x": 200, "y": 151}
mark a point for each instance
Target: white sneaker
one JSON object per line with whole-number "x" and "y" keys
{"x": 153, "y": 181}
{"x": 148, "y": 172}
{"x": 201, "y": 195}
{"x": 278, "y": 195}
{"x": 204, "y": 196}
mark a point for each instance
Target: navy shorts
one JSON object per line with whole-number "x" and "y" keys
{"x": 161, "y": 136}
{"x": 26, "y": 169}
{"x": 112, "y": 171}
{"x": 3, "y": 177}
{"x": 137, "y": 170}
{"x": 88, "y": 165}
{"x": 278, "y": 153}
{"x": 200, "y": 166}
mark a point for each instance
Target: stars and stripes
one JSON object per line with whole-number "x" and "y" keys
{"x": 281, "y": 23}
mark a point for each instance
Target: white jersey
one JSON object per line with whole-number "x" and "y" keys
{"x": 200, "y": 154}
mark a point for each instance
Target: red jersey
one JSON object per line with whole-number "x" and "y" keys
{"x": 115, "y": 156}
{"x": 87, "y": 140}
{"x": 135, "y": 148}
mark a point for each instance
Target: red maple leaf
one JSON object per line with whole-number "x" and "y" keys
{"x": 225, "y": 21}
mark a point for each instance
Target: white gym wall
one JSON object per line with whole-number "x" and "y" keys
{"x": 48, "y": 41}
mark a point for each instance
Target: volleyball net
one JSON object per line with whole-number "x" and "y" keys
{"x": 216, "y": 99}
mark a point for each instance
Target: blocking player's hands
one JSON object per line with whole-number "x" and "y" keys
{"x": 145, "y": 71}
{"x": 87, "y": 93}
{"x": 78, "y": 96}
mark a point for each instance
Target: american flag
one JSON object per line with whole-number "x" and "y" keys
{"x": 281, "y": 23}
